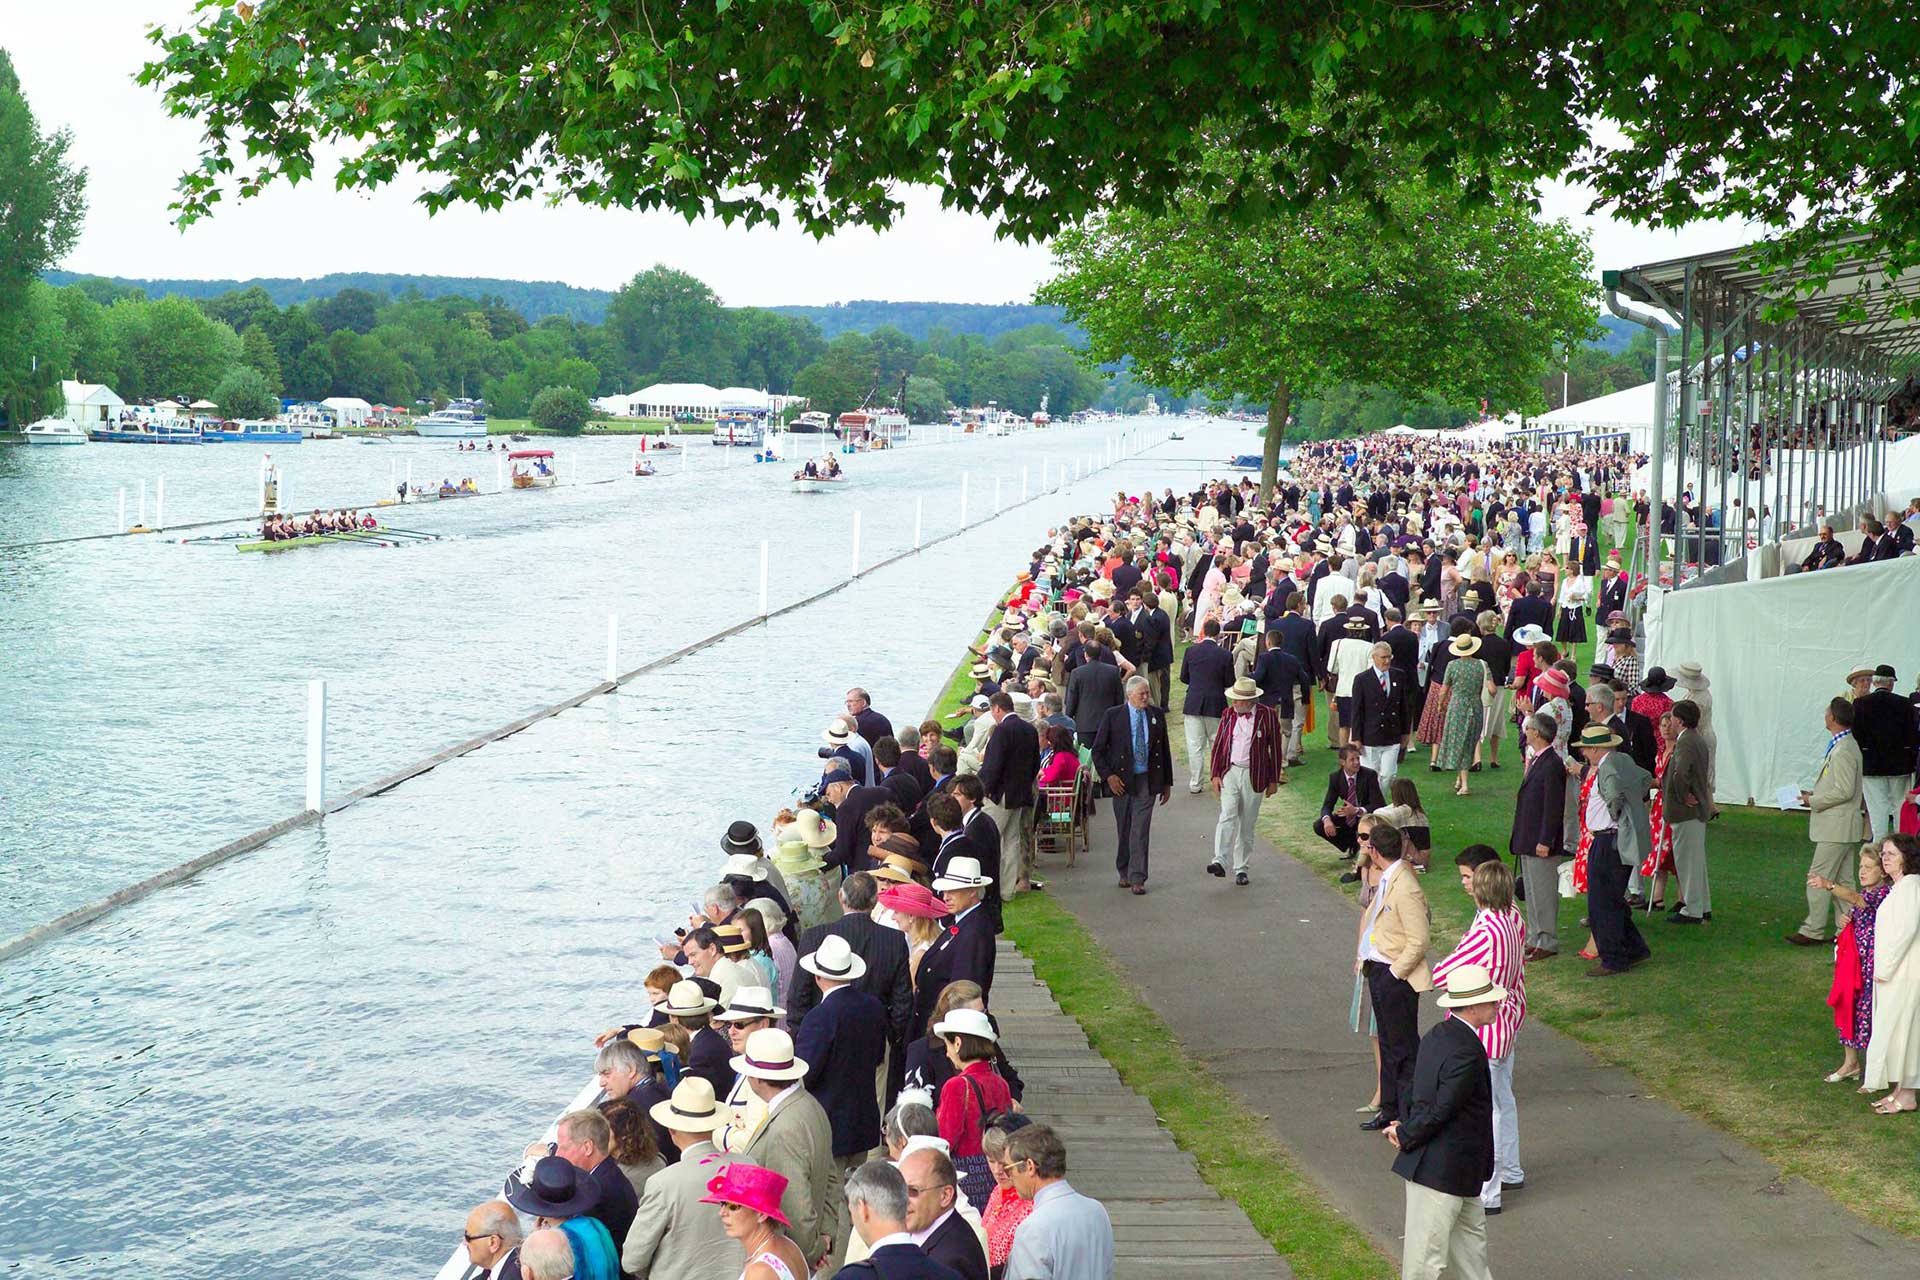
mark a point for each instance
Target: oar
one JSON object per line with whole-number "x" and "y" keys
{"x": 413, "y": 534}
{"x": 357, "y": 539}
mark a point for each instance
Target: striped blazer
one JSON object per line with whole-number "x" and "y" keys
{"x": 1497, "y": 943}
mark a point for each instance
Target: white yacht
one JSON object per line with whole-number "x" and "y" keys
{"x": 55, "y": 431}
{"x": 458, "y": 421}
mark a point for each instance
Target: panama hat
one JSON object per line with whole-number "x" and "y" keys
{"x": 1656, "y": 680}
{"x": 894, "y": 870}
{"x": 1244, "y": 690}
{"x": 692, "y": 1107}
{"x": 553, "y": 1189}
{"x": 812, "y": 830}
{"x": 961, "y": 873}
{"x": 1529, "y": 635}
{"x": 647, "y": 1039}
{"x": 834, "y": 960}
{"x": 733, "y": 939}
{"x": 836, "y": 734}
{"x": 966, "y": 1022}
{"x": 1688, "y": 675}
{"x": 769, "y": 1054}
{"x": 1597, "y": 735}
{"x": 749, "y": 1186}
{"x": 744, "y": 866}
{"x": 686, "y": 1000}
{"x": 1859, "y": 673}
{"x": 1465, "y": 646}
{"x": 749, "y": 1003}
{"x": 980, "y": 671}
{"x": 1470, "y": 984}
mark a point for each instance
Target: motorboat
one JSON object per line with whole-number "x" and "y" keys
{"x": 254, "y": 432}
{"x": 458, "y": 421}
{"x": 148, "y": 431}
{"x": 539, "y": 472}
{"x": 812, "y": 422}
{"x": 820, "y": 481}
{"x": 737, "y": 430}
{"x": 54, "y": 431}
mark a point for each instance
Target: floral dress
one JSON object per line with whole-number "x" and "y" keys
{"x": 1466, "y": 678}
{"x": 1586, "y": 836}
{"x": 1660, "y": 856}
{"x": 1433, "y": 713}
{"x": 1862, "y": 917}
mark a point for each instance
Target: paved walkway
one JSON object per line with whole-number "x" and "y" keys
{"x": 1167, "y": 1222}
{"x": 1256, "y": 982}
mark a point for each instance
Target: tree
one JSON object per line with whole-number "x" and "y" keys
{"x": 669, "y": 326}
{"x": 1039, "y": 113}
{"x": 841, "y": 378}
{"x": 1282, "y": 309}
{"x": 168, "y": 347}
{"x": 926, "y": 400}
{"x": 353, "y": 309}
{"x": 42, "y": 200}
{"x": 561, "y": 409}
{"x": 244, "y": 393}
{"x": 256, "y": 352}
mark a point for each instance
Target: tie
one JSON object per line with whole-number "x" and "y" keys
{"x": 1140, "y": 741}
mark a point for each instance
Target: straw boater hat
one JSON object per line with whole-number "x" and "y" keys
{"x": 1244, "y": 690}
{"x": 1597, "y": 735}
{"x": 1469, "y": 985}
{"x": 961, "y": 873}
{"x": 966, "y": 1022}
{"x": 834, "y": 960}
{"x": 749, "y": 1003}
{"x": 812, "y": 830}
{"x": 686, "y": 1000}
{"x": 1357, "y": 625}
{"x": 769, "y": 1054}
{"x": 1688, "y": 675}
{"x": 733, "y": 939}
{"x": 980, "y": 671}
{"x": 647, "y": 1040}
{"x": 691, "y": 1109}
{"x": 1466, "y": 646}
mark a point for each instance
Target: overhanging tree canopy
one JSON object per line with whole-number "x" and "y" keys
{"x": 1040, "y": 111}
{"x": 1470, "y": 303}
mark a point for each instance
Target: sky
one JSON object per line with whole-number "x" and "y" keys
{"x": 76, "y": 60}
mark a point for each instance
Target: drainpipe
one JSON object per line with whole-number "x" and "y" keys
{"x": 1656, "y": 489}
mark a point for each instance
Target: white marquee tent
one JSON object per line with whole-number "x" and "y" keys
{"x": 665, "y": 399}
{"x": 1630, "y": 411}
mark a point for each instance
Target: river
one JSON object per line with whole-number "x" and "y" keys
{"x": 317, "y": 1056}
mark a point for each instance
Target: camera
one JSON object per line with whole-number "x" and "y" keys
{"x": 826, "y": 753}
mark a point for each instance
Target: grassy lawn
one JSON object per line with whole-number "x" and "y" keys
{"x": 1235, "y": 1153}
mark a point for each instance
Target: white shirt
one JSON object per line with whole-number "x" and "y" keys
{"x": 898, "y": 1237}
{"x": 1598, "y": 817}
{"x": 921, "y": 1237}
{"x": 1367, "y": 950}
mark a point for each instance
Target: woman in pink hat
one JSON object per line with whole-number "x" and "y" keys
{"x": 1550, "y": 690}
{"x": 919, "y": 910}
{"x": 749, "y": 1200}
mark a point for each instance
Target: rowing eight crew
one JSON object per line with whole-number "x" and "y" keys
{"x": 286, "y": 528}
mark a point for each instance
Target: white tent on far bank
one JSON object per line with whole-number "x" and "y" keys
{"x": 1629, "y": 411}
{"x": 352, "y": 411}
{"x": 89, "y": 404}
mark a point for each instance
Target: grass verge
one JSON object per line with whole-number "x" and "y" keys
{"x": 1230, "y": 1143}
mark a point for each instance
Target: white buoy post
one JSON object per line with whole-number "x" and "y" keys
{"x": 122, "y": 526}
{"x": 1023, "y": 484}
{"x": 854, "y": 572}
{"x": 919, "y": 516}
{"x": 316, "y": 745}
{"x": 613, "y": 647}
{"x": 160, "y": 502}
{"x": 143, "y": 504}
{"x": 963, "y": 499}
{"x": 763, "y": 579}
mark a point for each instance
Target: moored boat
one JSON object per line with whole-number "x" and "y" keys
{"x": 460, "y": 420}
{"x": 134, "y": 432}
{"x": 253, "y": 432}
{"x": 811, "y": 422}
{"x": 54, "y": 431}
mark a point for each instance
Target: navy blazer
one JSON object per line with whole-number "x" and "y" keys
{"x": 1446, "y": 1141}
{"x": 1301, "y": 640}
{"x": 1011, "y": 762}
{"x": 1113, "y": 748}
{"x": 954, "y": 1246}
{"x": 1278, "y": 673}
{"x": 886, "y": 979}
{"x": 851, "y": 839}
{"x": 842, "y": 1042}
{"x": 643, "y": 1095}
{"x": 963, "y": 950}
{"x": 1206, "y": 670}
{"x": 906, "y": 788}
{"x": 897, "y": 1262}
{"x": 711, "y": 1058}
{"x": 618, "y": 1200}
{"x": 1161, "y": 656}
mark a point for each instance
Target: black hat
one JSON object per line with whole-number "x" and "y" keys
{"x": 1883, "y": 672}
{"x": 1656, "y": 680}
{"x": 555, "y": 1189}
{"x": 741, "y": 837}
{"x": 1600, "y": 671}
{"x": 1620, "y": 635}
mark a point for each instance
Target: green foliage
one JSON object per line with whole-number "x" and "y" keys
{"x": 1293, "y": 305}
{"x": 919, "y": 320}
{"x": 926, "y": 400}
{"x": 560, "y": 409}
{"x": 1037, "y": 113}
{"x": 348, "y": 309}
{"x": 168, "y": 347}
{"x": 42, "y": 201}
{"x": 257, "y": 353}
{"x": 245, "y": 393}
{"x": 532, "y": 299}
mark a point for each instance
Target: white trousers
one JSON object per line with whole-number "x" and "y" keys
{"x": 1884, "y": 796}
{"x": 1384, "y": 761}
{"x": 1506, "y": 1132}
{"x": 1239, "y": 809}
{"x": 1446, "y": 1236}
{"x": 1200, "y": 732}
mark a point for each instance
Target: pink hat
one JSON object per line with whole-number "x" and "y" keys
{"x": 751, "y": 1187}
{"x": 1553, "y": 683}
{"x": 914, "y": 900}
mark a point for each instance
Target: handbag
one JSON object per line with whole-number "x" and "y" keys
{"x": 1566, "y": 879}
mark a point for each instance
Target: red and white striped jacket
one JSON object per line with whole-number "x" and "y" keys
{"x": 1498, "y": 944}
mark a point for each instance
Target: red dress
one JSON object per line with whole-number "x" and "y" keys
{"x": 1660, "y": 857}
{"x": 1586, "y": 836}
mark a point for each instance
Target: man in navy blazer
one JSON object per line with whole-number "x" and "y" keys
{"x": 877, "y": 1205}
{"x": 1136, "y": 778}
{"x": 964, "y": 948}
{"x": 843, "y": 1041}
{"x": 933, "y": 1192}
{"x": 1206, "y": 669}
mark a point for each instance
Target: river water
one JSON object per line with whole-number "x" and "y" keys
{"x": 318, "y": 1055}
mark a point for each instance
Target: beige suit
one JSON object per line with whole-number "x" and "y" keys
{"x": 674, "y": 1236}
{"x": 797, "y": 1142}
{"x": 1836, "y": 824}
{"x": 1403, "y": 930}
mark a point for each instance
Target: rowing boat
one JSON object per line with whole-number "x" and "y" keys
{"x": 314, "y": 540}
{"x": 819, "y": 484}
